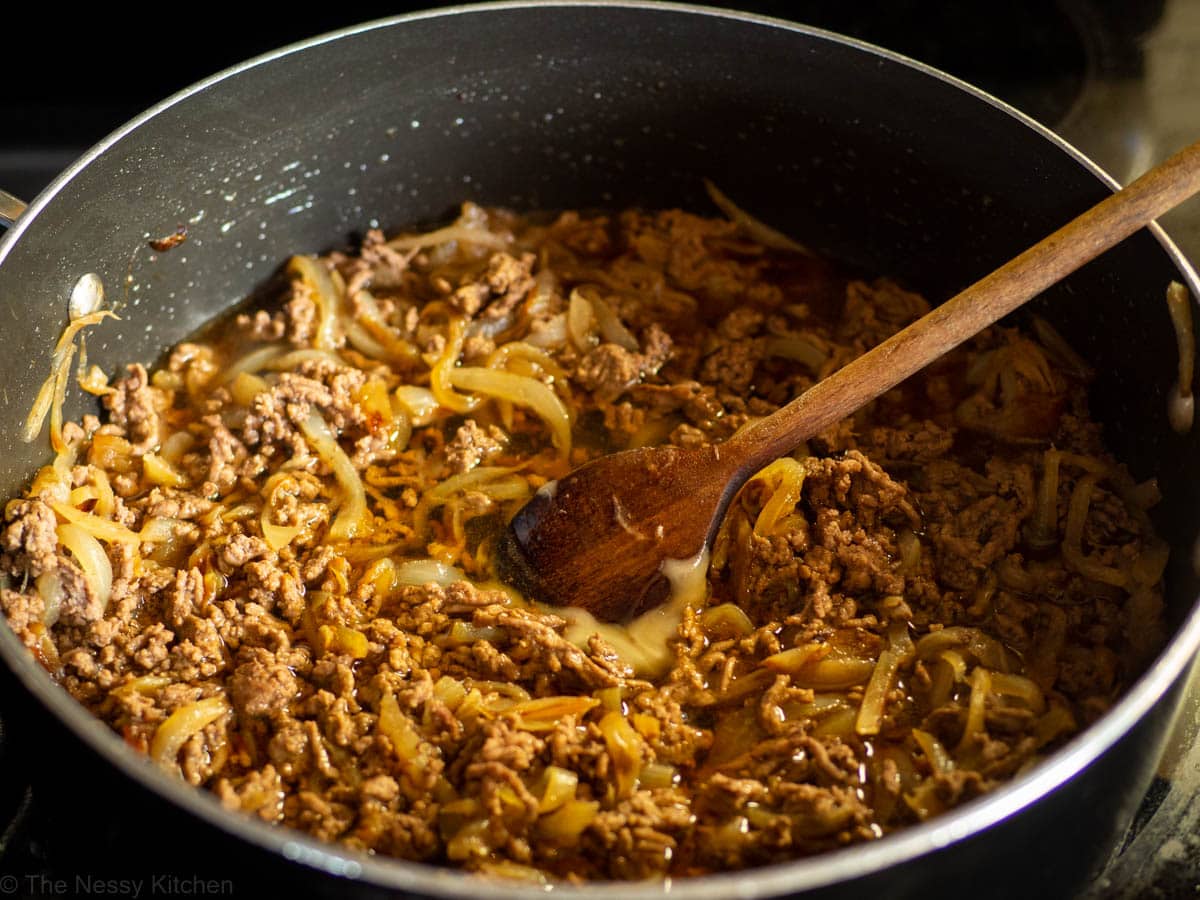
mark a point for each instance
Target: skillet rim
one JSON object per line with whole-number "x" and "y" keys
{"x": 809, "y": 873}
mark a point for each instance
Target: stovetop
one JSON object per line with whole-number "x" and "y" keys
{"x": 1118, "y": 78}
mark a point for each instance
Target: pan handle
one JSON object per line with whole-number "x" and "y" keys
{"x": 10, "y": 208}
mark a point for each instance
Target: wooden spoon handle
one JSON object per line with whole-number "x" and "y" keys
{"x": 983, "y": 303}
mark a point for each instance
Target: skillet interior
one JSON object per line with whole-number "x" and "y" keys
{"x": 857, "y": 154}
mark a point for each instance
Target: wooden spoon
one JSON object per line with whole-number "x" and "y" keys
{"x": 598, "y": 538}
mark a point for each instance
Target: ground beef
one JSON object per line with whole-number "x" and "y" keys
{"x": 260, "y": 685}
{"x": 133, "y": 406}
{"x": 380, "y": 265}
{"x": 262, "y": 326}
{"x": 30, "y": 539}
{"x": 609, "y": 370}
{"x": 379, "y": 688}
{"x": 472, "y": 445}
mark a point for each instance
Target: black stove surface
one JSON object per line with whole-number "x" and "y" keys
{"x": 1119, "y": 78}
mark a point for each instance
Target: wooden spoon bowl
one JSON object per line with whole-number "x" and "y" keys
{"x": 598, "y": 538}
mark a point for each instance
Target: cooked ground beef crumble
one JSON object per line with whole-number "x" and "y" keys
{"x": 293, "y": 604}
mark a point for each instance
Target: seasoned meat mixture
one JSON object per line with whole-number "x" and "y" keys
{"x": 269, "y": 566}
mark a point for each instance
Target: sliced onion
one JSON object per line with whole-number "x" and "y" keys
{"x": 800, "y": 349}
{"x": 544, "y": 299}
{"x": 752, "y": 227}
{"x": 352, "y": 516}
{"x": 176, "y": 445}
{"x": 909, "y": 546}
{"x": 1072, "y": 545}
{"x": 949, "y": 669}
{"x": 493, "y": 482}
{"x": 61, "y": 379}
{"x": 503, "y": 355}
{"x": 476, "y": 479}
{"x": 725, "y": 621}
{"x": 839, "y": 724}
{"x": 277, "y": 536}
{"x": 560, "y": 785}
{"x": 173, "y": 733}
{"x": 1064, "y": 352}
{"x": 89, "y": 553}
{"x": 544, "y": 713}
{"x": 440, "y": 375}
{"x": 104, "y": 529}
{"x": 245, "y": 387}
{"x": 794, "y": 660}
{"x": 455, "y": 232}
{"x": 421, "y": 572}
{"x": 37, "y": 413}
{"x": 158, "y": 471}
{"x": 1151, "y": 563}
{"x": 294, "y": 358}
{"x": 984, "y": 648}
{"x": 625, "y": 749}
{"x": 787, "y": 477}
{"x": 372, "y": 325}
{"x": 981, "y": 686}
{"x": 76, "y": 326}
{"x": 937, "y": 755}
{"x": 611, "y": 327}
{"x": 659, "y": 775}
{"x": 835, "y": 672}
{"x": 158, "y": 529}
{"x": 468, "y": 633}
{"x": 254, "y": 361}
{"x": 399, "y": 729}
{"x": 50, "y": 589}
{"x": 82, "y": 495}
{"x": 1097, "y": 467}
{"x": 87, "y": 296}
{"x": 899, "y": 650}
{"x": 1057, "y": 721}
{"x": 324, "y": 293}
{"x": 55, "y": 479}
{"x": 419, "y": 402}
{"x": 1181, "y": 409}
{"x": 581, "y": 322}
{"x": 1020, "y": 688}
{"x": 93, "y": 380}
{"x": 552, "y": 333}
{"x": 361, "y": 340}
{"x": 1043, "y": 525}
{"x": 1180, "y": 307}
{"x": 523, "y": 391}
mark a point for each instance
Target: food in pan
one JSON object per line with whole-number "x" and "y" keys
{"x": 268, "y": 566}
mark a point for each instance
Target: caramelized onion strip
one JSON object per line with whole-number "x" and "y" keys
{"x": 89, "y": 553}
{"x": 456, "y": 233}
{"x": 899, "y": 650}
{"x": 440, "y": 375}
{"x": 184, "y": 722}
{"x": 104, "y": 529}
{"x": 1181, "y": 404}
{"x": 53, "y": 387}
{"x": 1072, "y": 545}
{"x": 352, "y": 515}
{"x": 325, "y": 294}
{"x": 752, "y": 227}
{"x": 522, "y": 391}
